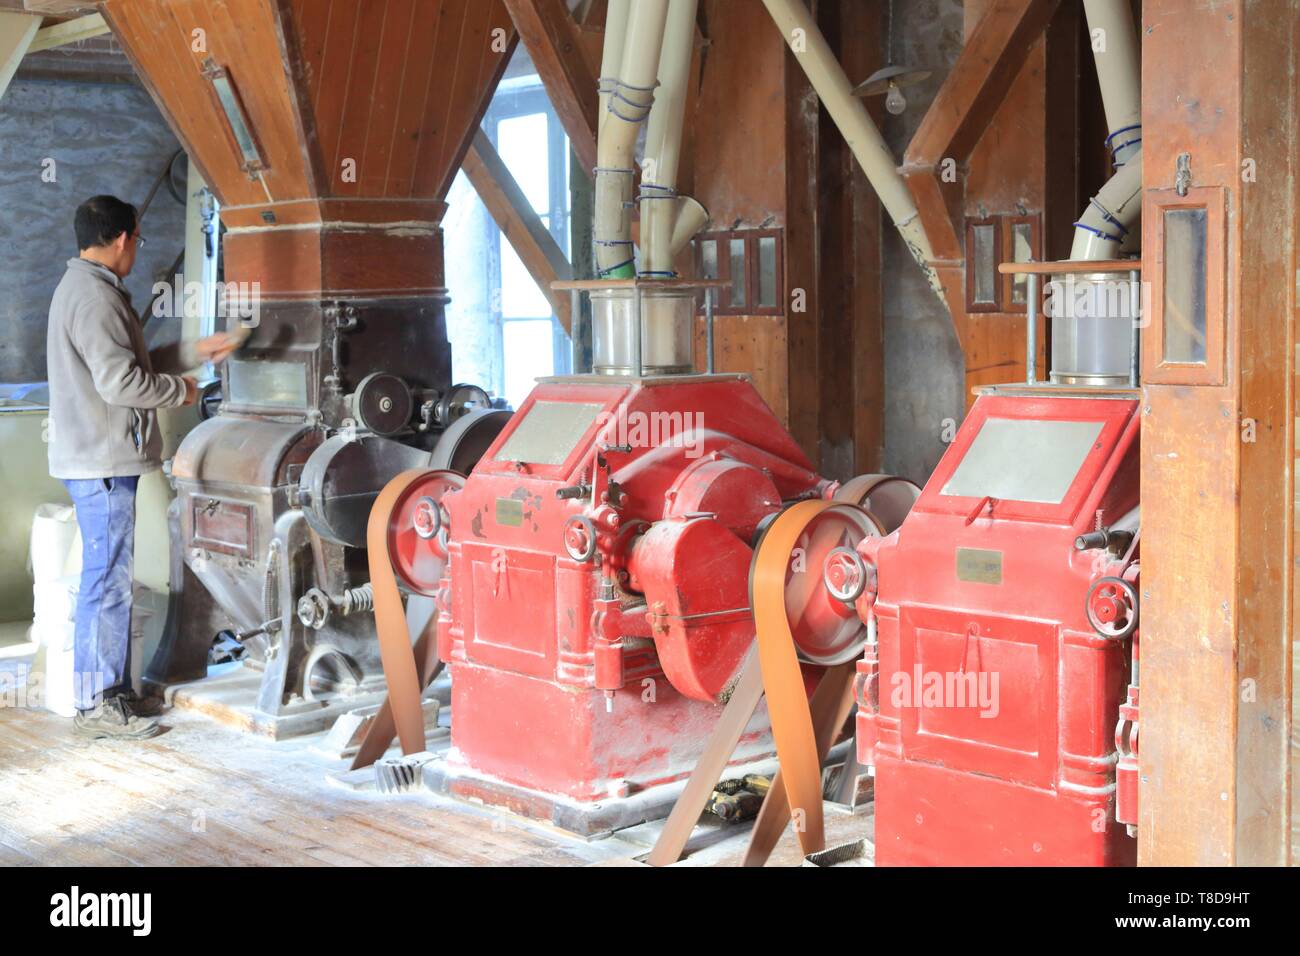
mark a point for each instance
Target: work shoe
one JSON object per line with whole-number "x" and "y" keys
{"x": 141, "y": 706}
{"x": 113, "y": 719}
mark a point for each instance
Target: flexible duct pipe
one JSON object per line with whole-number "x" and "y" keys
{"x": 629, "y": 103}
{"x": 612, "y": 60}
{"x": 850, "y": 116}
{"x": 663, "y": 141}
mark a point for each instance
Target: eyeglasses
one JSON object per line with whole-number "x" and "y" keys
{"x": 140, "y": 240}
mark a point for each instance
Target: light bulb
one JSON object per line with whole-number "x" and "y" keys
{"x": 895, "y": 102}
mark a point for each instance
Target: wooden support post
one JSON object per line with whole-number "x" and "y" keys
{"x": 519, "y": 223}
{"x": 1217, "y": 432}
{"x": 555, "y": 42}
{"x": 16, "y": 33}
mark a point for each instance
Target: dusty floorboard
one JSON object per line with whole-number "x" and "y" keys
{"x": 204, "y": 795}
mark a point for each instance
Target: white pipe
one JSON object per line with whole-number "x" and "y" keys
{"x": 1113, "y": 214}
{"x": 1119, "y": 71}
{"x": 691, "y": 217}
{"x": 664, "y": 139}
{"x": 629, "y": 103}
{"x": 612, "y": 60}
{"x": 868, "y": 146}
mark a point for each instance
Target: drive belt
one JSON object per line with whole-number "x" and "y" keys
{"x": 783, "y": 682}
{"x": 405, "y": 682}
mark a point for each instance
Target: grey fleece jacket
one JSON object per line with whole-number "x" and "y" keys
{"x": 103, "y": 387}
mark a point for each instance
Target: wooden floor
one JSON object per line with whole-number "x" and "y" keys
{"x": 204, "y": 795}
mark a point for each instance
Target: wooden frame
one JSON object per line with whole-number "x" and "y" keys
{"x": 1035, "y": 223}
{"x": 751, "y": 238}
{"x": 994, "y": 223}
{"x": 1155, "y": 369}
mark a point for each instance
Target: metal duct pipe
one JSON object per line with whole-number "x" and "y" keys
{"x": 659, "y": 200}
{"x": 832, "y": 85}
{"x": 630, "y": 100}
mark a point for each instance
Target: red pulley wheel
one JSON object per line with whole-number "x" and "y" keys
{"x": 417, "y": 531}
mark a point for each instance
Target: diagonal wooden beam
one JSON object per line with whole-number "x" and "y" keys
{"x": 970, "y": 96}
{"x": 518, "y": 222}
{"x": 556, "y": 44}
{"x": 69, "y": 31}
{"x": 979, "y": 80}
{"x": 16, "y": 33}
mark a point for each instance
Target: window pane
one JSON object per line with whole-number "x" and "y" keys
{"x": 983, "y": 266}
{"x": 737, "y": 272}
{"x": 1022, "y": 250}
{"x": 767, "y": 271}
{"x": 1185, "y": 238}
{"x": 529, "y": 355}
{"x": 709, "y": 258}
{"x": 523, "y": 145}
{"x": 520, "y": 296}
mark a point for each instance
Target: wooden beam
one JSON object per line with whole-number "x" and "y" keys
{"x": 555, "y": 43}
{"x": 1218, "y": 440}
{"x": 979, "y": 80}
{"x": 59, "y": 8}
{"x": 994, "y": 54}
{"x": 17, "y": 30}
{"x": 519, "y": 223}
{"x": 69, "y": 31}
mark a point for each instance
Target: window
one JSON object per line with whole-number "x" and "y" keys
{"x": 503, "y": 333}
{"x": 990, "y": 242}
{"x": 751, "y": 261}
{"x": 1183, "y": 343}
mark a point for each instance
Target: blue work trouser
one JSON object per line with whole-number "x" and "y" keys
{"x": 102, "y": 647}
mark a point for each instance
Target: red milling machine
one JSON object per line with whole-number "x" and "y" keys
{"x": 595, "y": 610}
{"x": 593, "y": 571}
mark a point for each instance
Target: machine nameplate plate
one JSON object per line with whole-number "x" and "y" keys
{"x": 979, "y": 566}
{"x": 510, "y": 512}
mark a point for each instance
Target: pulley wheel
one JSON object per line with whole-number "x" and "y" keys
{"x": 417, "y": 531}
{"x": 826, "y": 630}
{"x": 1112, "y": 607}
{"x": 383, "y": 403}
{"x": 888, "y": 497}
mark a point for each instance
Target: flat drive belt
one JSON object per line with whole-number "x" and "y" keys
{"x": 400, "y": 669}
{"x": 783, "y": 683}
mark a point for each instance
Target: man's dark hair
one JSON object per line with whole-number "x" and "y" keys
{"x": 101, "y": 219}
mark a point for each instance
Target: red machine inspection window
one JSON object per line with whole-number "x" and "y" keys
{"x": 1186, "y": 237}
{"x": 1032, "y": 458}
{"x": 552, "y": 429}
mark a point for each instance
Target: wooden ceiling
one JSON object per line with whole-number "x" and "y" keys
{"x": 373, "y": 102}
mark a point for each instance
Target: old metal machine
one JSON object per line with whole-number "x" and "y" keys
{"x": 334, "y": 267}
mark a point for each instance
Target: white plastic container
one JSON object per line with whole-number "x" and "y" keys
{"x": 56, "y": 543}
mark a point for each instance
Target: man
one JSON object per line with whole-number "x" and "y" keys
{"x": 104, "y": 392}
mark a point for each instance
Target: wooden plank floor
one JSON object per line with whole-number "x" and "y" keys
{"x": 202, "y": 794}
